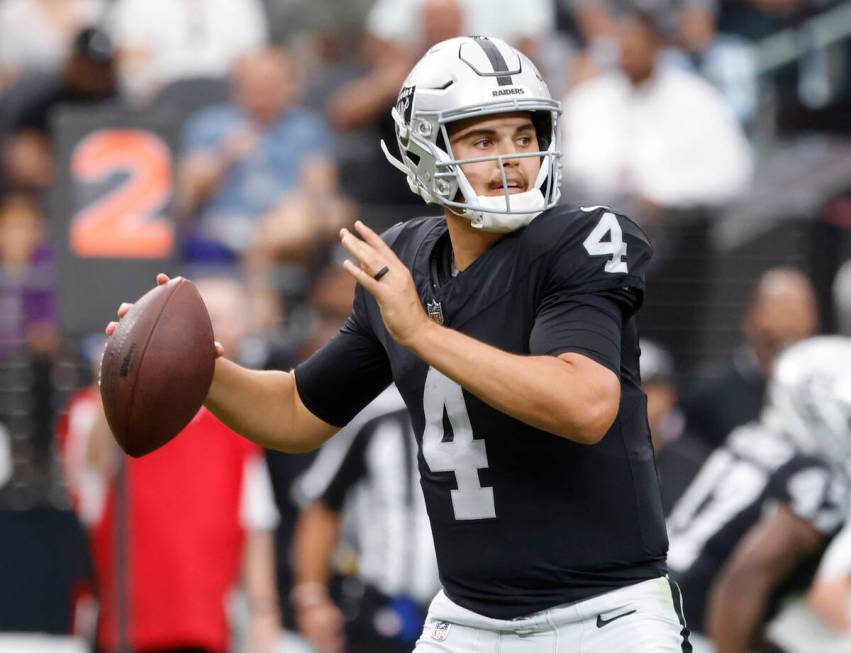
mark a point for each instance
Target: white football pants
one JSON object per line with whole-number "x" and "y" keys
{"x": 641, "y": 618}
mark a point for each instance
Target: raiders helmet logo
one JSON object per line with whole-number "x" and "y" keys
{"x": 405, "y": 103}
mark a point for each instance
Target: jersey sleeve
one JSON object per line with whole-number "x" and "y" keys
{"x": 815, "y": 493}
{"x": 606, "y": 252}
{"x": 347, "y": 373}
{"x": 588, "y": 324}
{"x": 595, "y": 284}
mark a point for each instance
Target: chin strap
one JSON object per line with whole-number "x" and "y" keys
{"x": 525, "y": 207}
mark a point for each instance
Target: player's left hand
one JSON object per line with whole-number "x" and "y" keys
{"x": 395, "y": 291}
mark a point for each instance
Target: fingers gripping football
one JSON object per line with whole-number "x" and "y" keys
{"x": 394, "y": 289}
{"x": 162, "y": 279}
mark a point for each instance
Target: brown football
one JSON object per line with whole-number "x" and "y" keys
{"x": 157, "y": 367}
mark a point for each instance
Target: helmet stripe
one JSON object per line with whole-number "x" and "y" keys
{"x": 496, "y": 59}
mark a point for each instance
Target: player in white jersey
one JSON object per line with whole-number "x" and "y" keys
{"x": 752, "y": 527}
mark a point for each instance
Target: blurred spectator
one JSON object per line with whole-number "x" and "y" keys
{"x": 36, "y": 35}
{"x": 359, "y": 108}
{"x": 261, "y": 163}
{"x": 290, "y": 20}
{"x": 727, "y": 61}
{"x": 161, "y": 41}
{"x": 86, "y": 79}
{"x": 630, "y": 142}
{"x": 27, "y": 301}
{"x": 198, "y": 514}
{"x": 368, "y": 99}
{"x": 88, "y": 76}
{"x": 631, "y": 134}
{"x": 749, "y": 533}
{"x": 522, "y": 25}
{"x": 36, "y": 371}
{"x": 368, "y": 474}
{"x": 301, "y": 229}
{"x": 592, "y": 28}
{"x": 679, "y": 455}
{"x": 782, "y": 311}
{"x": 400, "y": 31}
{"x": 26, "y": 161}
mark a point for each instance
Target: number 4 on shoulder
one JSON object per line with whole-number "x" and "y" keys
{"x": 607, "y": 240}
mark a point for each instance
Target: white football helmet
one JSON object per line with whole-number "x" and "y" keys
{"x": 809, "y": 397}
{"x": 463, "y": 78}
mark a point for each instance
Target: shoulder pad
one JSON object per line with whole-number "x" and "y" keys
{"x": 593, "y": 248}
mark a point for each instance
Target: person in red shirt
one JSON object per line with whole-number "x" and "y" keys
{"x": 198, "y": 513}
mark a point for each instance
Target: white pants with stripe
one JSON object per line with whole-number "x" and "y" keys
{"x": 641, "y": 618}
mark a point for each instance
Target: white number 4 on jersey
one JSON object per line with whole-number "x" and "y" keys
{"x": 464, "y": 455}
{"x": 613, "y": 246}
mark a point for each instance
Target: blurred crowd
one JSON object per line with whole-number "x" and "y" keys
{"x": 721, "y": 126}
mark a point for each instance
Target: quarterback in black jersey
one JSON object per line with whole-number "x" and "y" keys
{"x": 508, "y": 325}
{"x": 751, "y": 529}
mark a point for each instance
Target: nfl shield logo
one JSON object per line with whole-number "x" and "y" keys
{"x": 441, "y": 630}
{"x": 435, "y": 311}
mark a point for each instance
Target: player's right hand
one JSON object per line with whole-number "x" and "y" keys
{"x": 125, "y": 306}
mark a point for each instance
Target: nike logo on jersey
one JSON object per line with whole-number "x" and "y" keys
{"x": 605, "y": 622}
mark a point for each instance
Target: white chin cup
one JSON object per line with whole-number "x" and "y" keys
{"x": 525, "y": 207}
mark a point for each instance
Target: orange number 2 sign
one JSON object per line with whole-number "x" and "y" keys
{"x": 125, "y": 223}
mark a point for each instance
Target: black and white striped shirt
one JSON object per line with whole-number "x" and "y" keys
{"x": 368, "y": 471}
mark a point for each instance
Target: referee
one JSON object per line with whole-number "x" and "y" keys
{"x": 365, "y": 482}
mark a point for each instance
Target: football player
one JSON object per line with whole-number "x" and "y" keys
{"x": 508, "y": 325}
{"x": 754, "y": 523}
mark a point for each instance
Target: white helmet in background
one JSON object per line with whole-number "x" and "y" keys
{"x": 809, "y": 397}
{"x": 463, "y": 78}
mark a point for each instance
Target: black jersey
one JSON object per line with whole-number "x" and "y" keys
{"x": 522, "y": 519}
{"x": 755, "y": 470}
